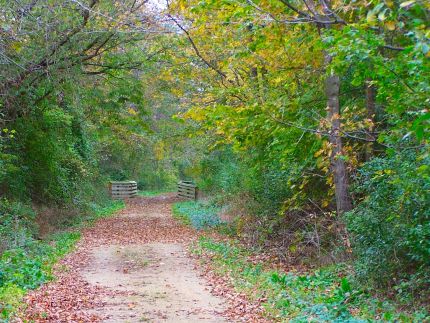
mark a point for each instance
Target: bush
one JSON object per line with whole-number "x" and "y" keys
{"x": 221, "y": 172}
{"x": 390, "y": 227}
{"x": 274, "y": 203}
{"x": 16, "y": 224}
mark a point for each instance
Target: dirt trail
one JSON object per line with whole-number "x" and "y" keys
{"x": 129, "y": 268}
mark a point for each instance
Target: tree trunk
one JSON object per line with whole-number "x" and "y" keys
{"x": 323, "y": 16}
{"x": 371, "y": 110}
{"x": 338, "y": 166}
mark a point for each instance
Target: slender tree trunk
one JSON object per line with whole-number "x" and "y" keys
{"x": 322, "y": 14}
{"x": 338, "y": 166}
{"x": 371, "y": 110}
{"x": 332, "y": 88}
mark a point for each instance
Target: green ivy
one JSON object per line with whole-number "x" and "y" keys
{"x": 328, "y": 294}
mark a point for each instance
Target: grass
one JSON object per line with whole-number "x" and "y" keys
{"x": 95, "y": 214}
{"x": 30, "y": 266}
{"x": 179, "y": 214}
{"x": 324, "y": 295}
{"x": 152, "y": 193}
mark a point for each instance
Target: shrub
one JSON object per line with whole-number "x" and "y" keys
{"x": 16, "y": 224}
{"x": 273, "y": 202}
{"x": 390, "y": 227}
{"x": 326, "y": 294}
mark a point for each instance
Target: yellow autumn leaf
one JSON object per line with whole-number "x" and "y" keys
{"x": 132, "y": 111}
{"x": 391, "y": 25}
{"x": 17, "y": 46}
{"x": 319, "y": 152}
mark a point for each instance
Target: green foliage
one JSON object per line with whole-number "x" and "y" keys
{"x": 74, "y": 112}
{"x": 200, "y": 216}
{"x": 259, "y": 112}
{"x": 358, "y": 54}
{"x": 89, "y": 96}
{"x": 51, "y": 165}
{"x": 325, "y": 295}
{"x": 105, "y": 211}
{"x": 269, "y": 202}
{"x": 153, "y": 192}
{"x": 10, "y": 300}
{"x": 100, "y": 212}
{"x": 16, "y": 224}
{"x": 27, "y": 266}
{"x": 221, "y": 171}
{"x": 390, "y": 227}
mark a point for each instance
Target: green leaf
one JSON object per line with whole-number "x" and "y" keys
{"x": 407, "y": 3}
{"x": 345, "y": 285}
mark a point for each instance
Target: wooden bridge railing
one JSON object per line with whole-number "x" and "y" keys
{"x": 188, "y": 190}
{"x": 123, "y": 190}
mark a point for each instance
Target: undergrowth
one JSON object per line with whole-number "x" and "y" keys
{"x": 327, "y": 294}
{"x": 199, "y": 215}
{"x": 30, "y": 265}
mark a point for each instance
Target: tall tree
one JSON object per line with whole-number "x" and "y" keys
{"x": 321, "y": 14}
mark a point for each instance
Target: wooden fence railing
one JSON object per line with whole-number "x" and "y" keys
{"x": 123, "y": 190}
{"x": 187, "y": 189}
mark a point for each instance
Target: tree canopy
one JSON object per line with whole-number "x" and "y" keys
{"x": 308, "y": 120}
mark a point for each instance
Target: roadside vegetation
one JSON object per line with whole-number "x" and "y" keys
{"x": 305, "y": 125}
{"x": 326, "y": 294}
{"x": 29, "y": 263}
{"x": 199, "y": 215}
{"x": 287, "y": 292}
